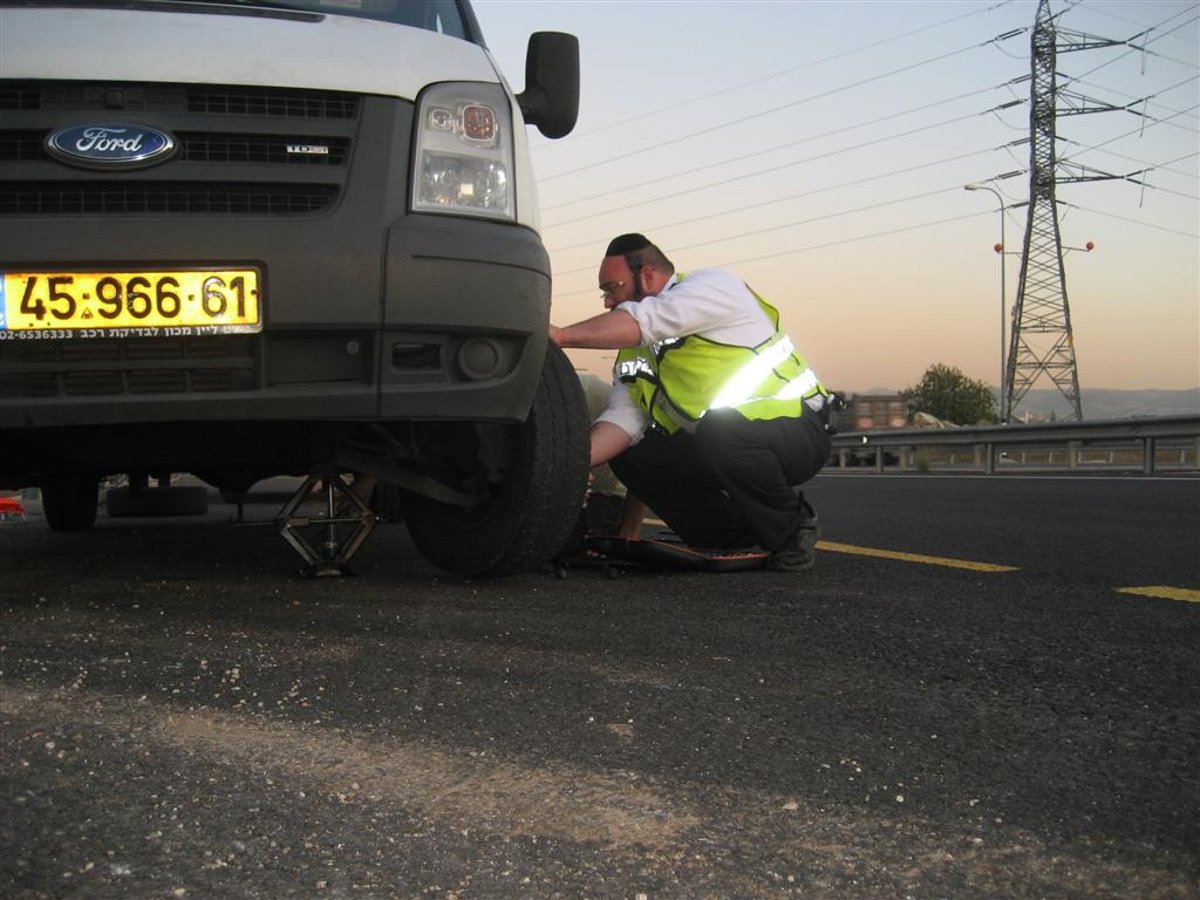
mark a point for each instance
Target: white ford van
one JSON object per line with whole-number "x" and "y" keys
{"x": 248, "y": 238}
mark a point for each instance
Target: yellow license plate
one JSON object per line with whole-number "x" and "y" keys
{"x": 101, "y": 304}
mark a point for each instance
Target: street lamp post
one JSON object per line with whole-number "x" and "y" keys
{"x": 1003, "y": 293}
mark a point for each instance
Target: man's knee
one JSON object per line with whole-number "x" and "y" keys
{"x": 638, "y": 464}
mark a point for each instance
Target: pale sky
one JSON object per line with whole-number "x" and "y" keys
{"x": 819, "y": 149}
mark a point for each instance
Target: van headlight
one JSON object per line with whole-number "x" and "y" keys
{"x": 463, "y": 151}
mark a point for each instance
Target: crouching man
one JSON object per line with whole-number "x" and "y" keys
{"x": 715, "y": 418}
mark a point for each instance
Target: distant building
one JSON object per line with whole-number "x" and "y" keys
{"x": 871, "y": 412}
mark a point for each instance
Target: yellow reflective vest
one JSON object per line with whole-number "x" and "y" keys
{"x": 677, "y": 381}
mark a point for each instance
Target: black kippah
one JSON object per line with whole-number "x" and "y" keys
{"x": 627, "y": 243}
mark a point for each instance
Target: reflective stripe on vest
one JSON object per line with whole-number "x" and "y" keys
{"x": 739, "y": 389}
{"x": 629, "y": 369}
{"x": 673, "y": 380}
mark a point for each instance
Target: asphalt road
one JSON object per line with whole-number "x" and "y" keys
{"x": 182, "y": 716}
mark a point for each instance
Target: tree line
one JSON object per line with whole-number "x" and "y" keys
{"x": 948, "y": 394}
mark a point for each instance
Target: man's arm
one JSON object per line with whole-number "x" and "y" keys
{"x": 607, "y": 331}
{"x": 608, "y": 441}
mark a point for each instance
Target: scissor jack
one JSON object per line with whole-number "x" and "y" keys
{"x": 339, "y": 529}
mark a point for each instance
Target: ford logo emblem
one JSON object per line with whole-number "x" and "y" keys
{"x": 114, "y": 145}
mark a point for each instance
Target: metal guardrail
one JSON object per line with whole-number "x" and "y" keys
{"x": 988, "y": 443}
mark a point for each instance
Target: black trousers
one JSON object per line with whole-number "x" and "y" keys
{"x": 731, "y": 483}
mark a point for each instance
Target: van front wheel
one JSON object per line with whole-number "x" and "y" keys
{"x": 531, "y": 478}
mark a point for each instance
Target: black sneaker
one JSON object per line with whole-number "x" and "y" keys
{"x": 799, "y": 554}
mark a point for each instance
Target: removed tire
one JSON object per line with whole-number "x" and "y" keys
{"x": 70, "y": 503}
{"x": 171, "y": 500}
{"x": 536, "y": 475}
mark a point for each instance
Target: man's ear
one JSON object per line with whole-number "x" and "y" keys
{"x": 645, "y": 278}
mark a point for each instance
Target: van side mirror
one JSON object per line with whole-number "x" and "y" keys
{"x": 551, "y": 96}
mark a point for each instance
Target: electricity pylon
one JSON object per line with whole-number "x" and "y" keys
{"x": 1042, "y": 341}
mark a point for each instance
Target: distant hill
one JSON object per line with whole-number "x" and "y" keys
{"x": 1101, "y": 403}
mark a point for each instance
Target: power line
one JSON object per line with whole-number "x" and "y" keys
{"x": 1101, "y": 9}
{"x": 826, "y": 217}
{"x": 769, "y": 169}
{"x": 758, "y": 115}
{"x": 853, "y": 239}
{"x": 1139, "y": 130}
{"x": 809, "y": 193}
{"x": 751, "y": 155}
{"x": 1109, "y": 215}
{"x": 1135, "y": 100}
{"x": 674, "y": 107}
{"x": 1154, "y": 167}
{"x": 1143, "y": 49}
{"x": 797, "y": 250}
{"x": 822, "y": 218}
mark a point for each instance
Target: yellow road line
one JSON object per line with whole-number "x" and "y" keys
{"x": 896, "y": 554}
{"x": 1187, "y": 595}
{"x": 915, "y": 557}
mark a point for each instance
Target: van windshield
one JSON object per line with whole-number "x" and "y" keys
{"x": 450, "y": 17}
{"x": 442, "y": 16}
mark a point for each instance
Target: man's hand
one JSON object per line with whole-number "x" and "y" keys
{"x": 556, "y": 337}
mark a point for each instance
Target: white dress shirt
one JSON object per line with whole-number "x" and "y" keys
{"x": 711, "y": 303}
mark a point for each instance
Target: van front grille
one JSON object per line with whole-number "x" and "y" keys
{"x": 242, "y": 150}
